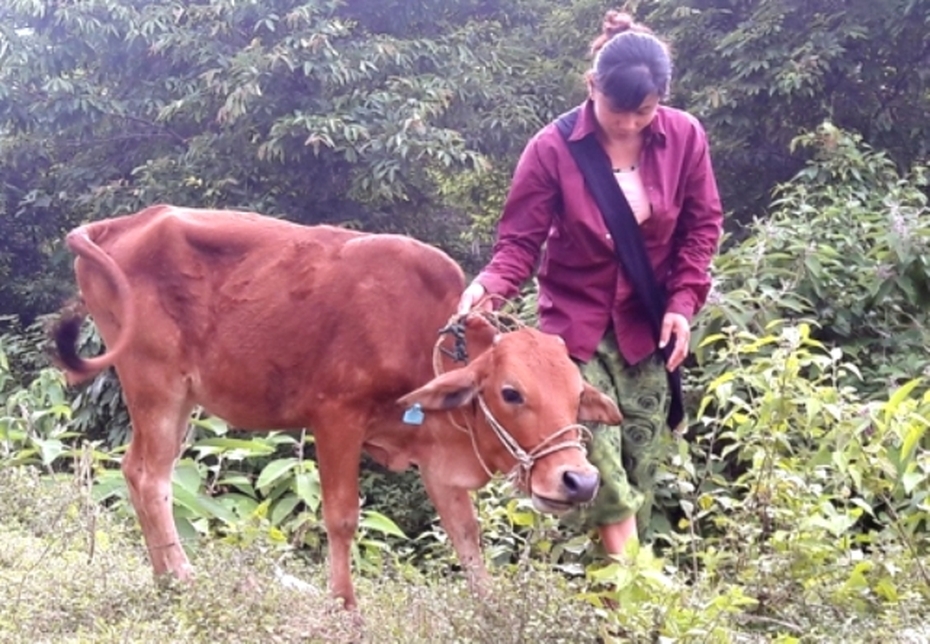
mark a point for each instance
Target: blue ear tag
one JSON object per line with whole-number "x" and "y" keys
{"x": 414, "y": 415}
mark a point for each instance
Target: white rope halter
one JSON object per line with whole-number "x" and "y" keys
{"x": 520, "y": 474}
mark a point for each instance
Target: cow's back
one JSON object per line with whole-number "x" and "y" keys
{"x": 267, "y": 320}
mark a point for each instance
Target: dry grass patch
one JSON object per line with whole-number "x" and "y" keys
{"x": 73, "y": 573}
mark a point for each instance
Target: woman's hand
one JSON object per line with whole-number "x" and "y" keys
{"x": 675, "y": 324}
{"x": 472, "y": 296}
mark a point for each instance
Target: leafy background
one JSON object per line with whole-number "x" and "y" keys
{"x": 796, "y": 510}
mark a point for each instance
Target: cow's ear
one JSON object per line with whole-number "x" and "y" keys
{"x": 598, "y": 408}
{"x": 451, "y": 389}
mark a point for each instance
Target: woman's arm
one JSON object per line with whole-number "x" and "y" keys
{"x": 697, "y": 234}
{"x": 532, "y": 201}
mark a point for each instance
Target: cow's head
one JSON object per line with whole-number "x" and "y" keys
{"x": 525, "y": 383}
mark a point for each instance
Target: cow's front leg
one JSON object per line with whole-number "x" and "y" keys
{"x": 459, "y": 520}
{"x": 339, "y": 468}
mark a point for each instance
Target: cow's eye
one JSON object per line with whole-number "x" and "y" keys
{"x": 512, "y": 396}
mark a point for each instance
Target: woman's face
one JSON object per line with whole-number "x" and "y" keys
{"x": 619, "y": 125}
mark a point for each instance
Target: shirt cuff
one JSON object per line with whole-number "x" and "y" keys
{"x": 681, "y": 302}
{"x": 494, "y": 284}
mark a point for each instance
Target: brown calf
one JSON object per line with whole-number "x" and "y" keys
{"x": 272, "y": 325}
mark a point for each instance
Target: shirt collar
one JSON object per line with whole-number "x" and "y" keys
{"x": 586, "y": 125}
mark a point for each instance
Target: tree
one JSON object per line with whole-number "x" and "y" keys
{"x": 316, "y": 111}
{"x": 760, "y": 72}
{"x": 401, "y": 115}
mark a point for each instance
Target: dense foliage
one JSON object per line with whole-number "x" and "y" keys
{"x": 759, "y": 73}
{"x": 314, "y": 111}
{"x": 399, "y": 115}
{"x": 797, "y": 509}
{"x": 847, "y": 245}
{"x": 820, "y": 532}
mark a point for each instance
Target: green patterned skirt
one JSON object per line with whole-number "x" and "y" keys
{"x": 626, "y": 456}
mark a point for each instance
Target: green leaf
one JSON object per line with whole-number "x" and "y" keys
{"x": 108, "y": 485}
{"x": 307, "y": 487}
{"x": 212, "y": 424}
{"x": 280, "y": 438}
{"x": 283, "y": 508}
{"x": 378, "y": 522}
{"x": 910, "y": 480}
{"x": 248, "y": 448}
{"x": 186, "y": 530}
{"x": 50, "y": 450}
{"x": 238, "y": 481}
{"x": 712, "y": 339}
{"x": 188, "y": 476}
{"x": 274, "y": 471}
{"x": 241, "y": 504}
{"x": 202, "y": 506}
{"x": 898, "y": 397}
{"x": 915, "y": 432}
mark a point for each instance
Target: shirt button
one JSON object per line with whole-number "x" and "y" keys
{"x": 608, "y": 235}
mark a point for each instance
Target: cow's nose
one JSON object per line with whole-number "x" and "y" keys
{"x": 580, "y": 487}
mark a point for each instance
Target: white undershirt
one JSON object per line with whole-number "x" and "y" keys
{"x": 632, "y": 185}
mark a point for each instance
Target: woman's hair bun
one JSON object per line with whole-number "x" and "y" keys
{"x": 616, "y": 22}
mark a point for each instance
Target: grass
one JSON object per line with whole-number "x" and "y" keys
{"x": 72, "y": 572}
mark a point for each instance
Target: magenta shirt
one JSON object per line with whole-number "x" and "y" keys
{"x": 582, "y": 288}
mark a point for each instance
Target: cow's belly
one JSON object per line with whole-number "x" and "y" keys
{"x": 248, "y": 399}
{"x": 295, "y": 399}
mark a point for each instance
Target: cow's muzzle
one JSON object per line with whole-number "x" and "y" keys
{"x": 572, "y": 436}
{"x": 576, "y": 487}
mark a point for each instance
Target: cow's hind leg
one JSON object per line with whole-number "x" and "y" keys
{"x": 159, "y": 424}
{"x": 338, "y": 456}
{"x": 458, "y": 518}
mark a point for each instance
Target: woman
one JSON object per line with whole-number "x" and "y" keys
{"x": 661, "y": 161}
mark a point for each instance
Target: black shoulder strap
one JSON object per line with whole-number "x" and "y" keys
{"x": 595, "y": 166}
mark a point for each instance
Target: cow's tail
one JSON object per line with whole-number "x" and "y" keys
{"x": 66, "y": 332}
